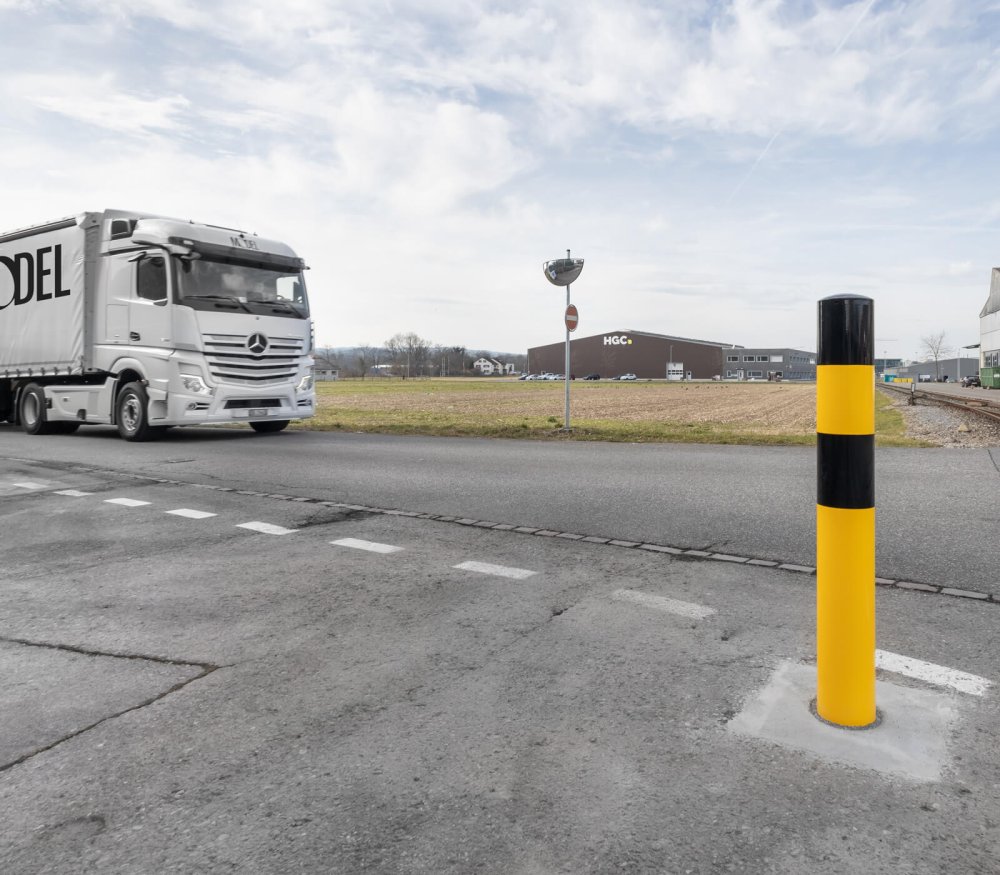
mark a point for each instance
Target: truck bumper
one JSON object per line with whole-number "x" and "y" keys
{"x": 257, "y": 405}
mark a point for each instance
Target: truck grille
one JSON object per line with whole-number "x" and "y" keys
{"x": 230, "y": 360}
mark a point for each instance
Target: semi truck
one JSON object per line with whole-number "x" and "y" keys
{"x": 145, "y": 322}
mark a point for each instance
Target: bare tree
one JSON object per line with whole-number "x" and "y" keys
{"x": 447, "y": 359}
{"x": 409, "y": 353}
{"x": 936, "y": 348}
{"x": 440, "y": 359}
{"x": 326, "y": 358}
{"x": 367, "y": 357}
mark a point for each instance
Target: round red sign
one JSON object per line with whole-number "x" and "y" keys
{"x": 572, "y": 317}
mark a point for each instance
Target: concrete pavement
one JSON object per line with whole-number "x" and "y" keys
{"x": 296, "y": 697}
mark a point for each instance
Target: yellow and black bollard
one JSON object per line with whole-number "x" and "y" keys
{"x": 845, "y": 512}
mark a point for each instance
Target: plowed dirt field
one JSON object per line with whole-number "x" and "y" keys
{"x": 782, "y": 407}
{"x": 727, "y": 412}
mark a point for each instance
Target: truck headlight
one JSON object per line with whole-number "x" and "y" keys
{"x": 195, "y": 384}
{"x": 305, "y": 384}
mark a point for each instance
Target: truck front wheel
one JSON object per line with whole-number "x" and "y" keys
{"x": 132, "y": 414}
{"x": 32, "y": 411}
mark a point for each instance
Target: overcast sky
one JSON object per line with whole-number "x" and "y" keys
{"x": 720, "y": 165}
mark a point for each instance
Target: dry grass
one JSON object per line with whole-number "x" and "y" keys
{"x": 758, "y": 413}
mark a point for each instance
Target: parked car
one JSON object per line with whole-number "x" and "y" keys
{"x": 627, "y": 377}
{"x": 592, "y": 377}
{"x": 971, "y": 380}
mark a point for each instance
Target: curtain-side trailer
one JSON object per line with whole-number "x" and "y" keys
{"x": 146, "y": 322}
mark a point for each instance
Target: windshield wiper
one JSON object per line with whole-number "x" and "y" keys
{"x": 277, "y": 305}
{"x": 236, "y": 301}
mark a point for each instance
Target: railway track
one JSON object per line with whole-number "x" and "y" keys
{"x": 986, "y": 408}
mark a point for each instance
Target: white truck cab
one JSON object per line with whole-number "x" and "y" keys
{"x": 146, "y": 322}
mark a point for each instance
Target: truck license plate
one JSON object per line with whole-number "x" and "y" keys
{"x": 258, "y": 411}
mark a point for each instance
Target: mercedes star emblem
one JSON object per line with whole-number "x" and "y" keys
{"x": 257, "y": 343}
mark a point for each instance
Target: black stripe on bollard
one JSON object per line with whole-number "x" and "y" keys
{"x": 846, "y": 331}
{"x": 845, "y": 469}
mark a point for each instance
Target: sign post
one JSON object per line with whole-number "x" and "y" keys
{"x": 562, "y": 272}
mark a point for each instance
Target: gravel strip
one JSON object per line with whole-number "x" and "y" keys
{"x": 946, "y": 426}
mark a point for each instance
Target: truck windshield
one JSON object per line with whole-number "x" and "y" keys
{"x": 206, "y": 284}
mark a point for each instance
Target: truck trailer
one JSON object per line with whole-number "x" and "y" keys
{"x": 145, "y": 322}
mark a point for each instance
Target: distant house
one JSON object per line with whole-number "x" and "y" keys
{"x": 486, "y": 367}
{"x": 327, "y": 373}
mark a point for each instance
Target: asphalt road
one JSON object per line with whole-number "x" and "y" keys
{"x": 937, "y": 515}
{"x": 194, "y": 679}
{"x": 955, "y": 390}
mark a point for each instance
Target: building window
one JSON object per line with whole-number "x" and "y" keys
{"x": 749, "y": 358}
{"x": 762, "y": 358}
{"x": 756, "y": 373}
{"x": 732, "y": 358}
{"x": 777, "y": 358}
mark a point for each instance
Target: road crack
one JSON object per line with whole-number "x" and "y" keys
{"x": 205, "y": 669}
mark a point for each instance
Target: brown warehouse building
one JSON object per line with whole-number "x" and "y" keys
{"x": 650, "y": 356}
{"x": 632, "y": 352}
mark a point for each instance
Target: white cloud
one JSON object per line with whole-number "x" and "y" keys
{"x": 98, "y": 101}
{"x": 421, "y": 158}
{"x": 880, "y": 198}
{"x": 470, "y": 144}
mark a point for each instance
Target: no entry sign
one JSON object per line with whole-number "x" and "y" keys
{"x": 572, "y": 317}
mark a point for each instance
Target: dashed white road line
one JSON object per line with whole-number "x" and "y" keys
{"x": 31, "y": 486}
{"x": 662, "y": 603}
{"x": 371, "y": 546}
{"x": 496, "y": 570}
{"x": 72, "y": 493}
{"x": 266, "y": 528}
{"x": 126, "y": 502}
{"x": 934, "y": 674}
{"x": 191, "y": 514}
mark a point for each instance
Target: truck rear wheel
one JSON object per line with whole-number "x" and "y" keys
{"x": 32, "y": 411}
{"x": 132, "y": 414}
{"x": 270, "y": 426}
